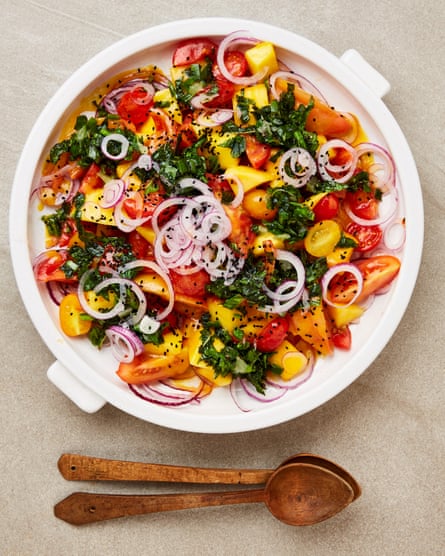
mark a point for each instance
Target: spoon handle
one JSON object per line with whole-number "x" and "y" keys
{"x": 80, "y": 508}
{"x": 76, "y": 467}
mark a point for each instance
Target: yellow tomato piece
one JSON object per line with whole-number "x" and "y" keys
{"x": 345, "y": 315}
{"x": 98, "y": 302}
{"x": 293, "y": 364}
{"x": 322, "y": 238}
{"x": 266, "y": 238}
{"x": 340, "y": 254}
{"x": 171, "y": 345}
{"x": 71, "y": 316}
{"x": 255, "y": 203}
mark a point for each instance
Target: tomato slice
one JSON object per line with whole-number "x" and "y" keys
{"x": 48, "y": 266}
{"x": 326, "y": 208}
{"x": 363, "y": 204}
{"x": 148, "y": 368}
{"x": 257, "y": 153}
{"x": 91, "y": 180}
{"x": 368, "y": 237}
{"x": 236, "y": 63}
{"x": 272, "y": 335}
{"x": 193, "y": 285}
{"x": 322, "y": 238}
{"x": 192, "y": 51}
{"x": 70, "y": 316}
{"x": 341, "y": 338}
{"x": 226, "y": 90}
{"x": 378, "y": 272}
{"x": 140, "y": 246}
{"x": 134, "y": 107}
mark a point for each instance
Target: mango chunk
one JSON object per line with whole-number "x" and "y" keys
{"x": 168, "y": 103}
{"x": 171, "y": 345}
{"x": 256, "y": 95}
{"x": 249, "y": 177}
{"x": 345, "y": 315}
{"x": 261, "y": 56}
{"x": 224, "y": 155}
{"x": 91, "y": 210}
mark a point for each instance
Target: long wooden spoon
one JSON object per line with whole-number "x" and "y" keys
{"x": 75, "y": 467}
{"x": 296, "y": 493}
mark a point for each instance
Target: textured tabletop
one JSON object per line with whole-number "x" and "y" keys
{"x": 387, "y": 428}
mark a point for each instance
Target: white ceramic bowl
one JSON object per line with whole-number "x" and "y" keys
{"x": 87, "y": 376}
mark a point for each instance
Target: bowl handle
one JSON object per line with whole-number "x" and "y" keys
{"x": 75, "y": 390}
{"x": 373, "y": 79}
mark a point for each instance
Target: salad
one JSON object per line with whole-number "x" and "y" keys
{"x": 218, "y": 224}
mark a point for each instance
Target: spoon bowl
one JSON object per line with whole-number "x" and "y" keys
{"x": 297, "y": 494}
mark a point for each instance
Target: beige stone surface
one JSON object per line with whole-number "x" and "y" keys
{"x": 387, "y": 428}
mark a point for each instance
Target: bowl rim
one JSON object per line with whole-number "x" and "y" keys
{"x": 50, "y": 117}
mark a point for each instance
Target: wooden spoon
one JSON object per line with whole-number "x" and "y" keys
{"x": 76, "y": 467}
{"x": 296, "y": 494}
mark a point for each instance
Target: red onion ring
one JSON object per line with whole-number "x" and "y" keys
{"x": 394, "y": 235}
{"x": 215, "y": 118}
{"x": 326, "y": 169}
{"x": 163, "y": 394}
{"x": 99, "y": 315}
{"x": 389, "y": 177}
{"x": 151, "y": 265}
{"x": 125, "y": 344}
{"x": 282, "y": 302}
{"x": 297, "y": 158}
{"x": 298, "y": 79}
{"x": 115, "y": 138}
{"x": 236, "y": 38}
{"x": 123, "y": 283}
{"x": 331, "y": 273}
{"x": 112, "y": 193}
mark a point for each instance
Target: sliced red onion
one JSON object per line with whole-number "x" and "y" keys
{"x": 194, "y": 183}
{"x": 151, "y": 265}
{"x": 297, "y": 380}
{"x": 58, "y": 290}
{"x": 246, "y": 398}
{"x": 112, "y": 193}
{"x": 125, "y": 283}
{"x": 163, "y": 394}
{"x": 394, "y": 235}
{"x": 214, "y": 118}
{"x": 199, "y": 100}
{"x": 115, "y": 138}
{"x": 282, "y": 302}
{"x": 340, "y": 269}
{"x": 149, "y": 93}
{"x": 239, "y": 195}
{"x": 99, "y": 315}
{"x": 236, "y": 38}
{"x": 386, "y": 165}
{"x": 125, "y": 344}
{"x": 327, "y": 170}
{"x": 300, "y": 163}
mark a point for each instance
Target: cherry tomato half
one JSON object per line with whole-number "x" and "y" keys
{"x": 368, "y": 237}
{"x": 341, "y": 338}
{"x": 326, "y": 208}
{"x": 272, "y": 335}
{"x": 363, "y": 204}
{"x": 192, "y": 51}
{"x": 378, "y": 272}
{"x": 148, "y": 368}
{"x": 193, "y": 285}
{"x": 134, "y": 107}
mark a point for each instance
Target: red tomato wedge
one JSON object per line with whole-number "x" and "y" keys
{"x": 257, "y": 153}
{"x": 272, "y": 335}
{"x": 368, "y": 237}
{"x": 192, "y": 51}
{"x": 149, "y": 368}
{"x": 326, "y": 208}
